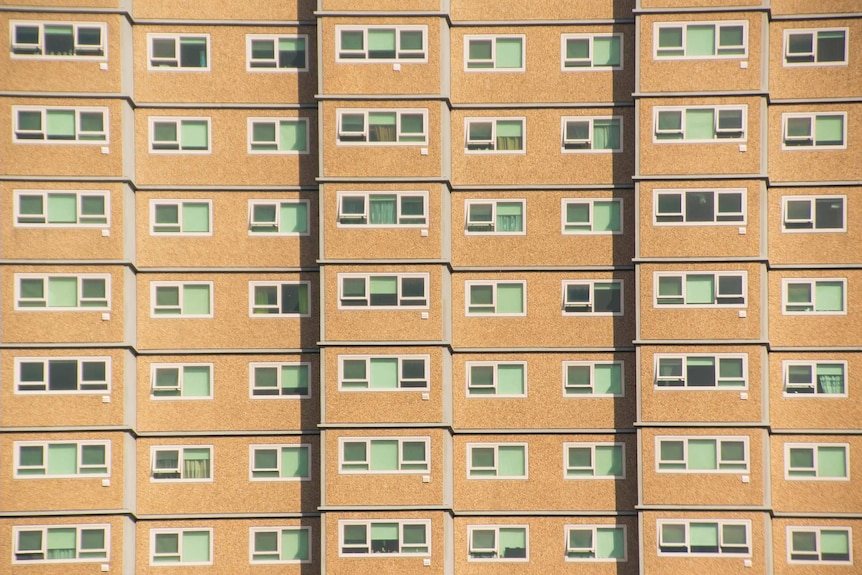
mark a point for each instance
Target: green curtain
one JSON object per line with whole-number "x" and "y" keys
{"x": 703, "y": 537}
{"x": 196, "y": 546}
{"x": 61, "y": 124}
{"x": 62, "y": 292}
{"x": 509, "y": 53}
{"x": 510, "y": 298}
{"x": 829, "y": 296}
{"x": 382, "y": 210}
{"x": 196, "y": 463}
{"x": 61, "y": 543}
{"x": 384, "y": 455}
{"x": 511, "y": 460}
{"x": 510, "y": 217}
{"x": 828, "y": 130}
{"x": 294, "y": 380}
{"x": 293, "y": 136}
{"x": 510, "y": 135}
{"x": 384, "y": 373}
{"x": 831, "y": 461}
{"x": 62, "y": 208}
{"x": 610, "y": 543}
{"x": 196, "y": 381}
{"x": 196, "y": 299}
{"x": 606, "y": 51}
{"x": 606, "y": 134}
{"x": 381, "y": 44}
{"x": 294, "y": 461}
{"x": 294, "y": 545}
{"x": 609, "y": 460}
{"x": 699, "y": 289}
{"x": 606, "y": 216}
{"x": 700, "y": 124}
{"x": 62, "y": 459}
{"x": 702, "y": 454}
{"x": 700, "y": 40}
{"x": 196, "y": 217}
{"x": 830, "y": 378}
{"x": 294, "y": 217}
{"x": 510, "y": 379}
{"x": 194, "y": 135}
{"x": 608, "y": 379}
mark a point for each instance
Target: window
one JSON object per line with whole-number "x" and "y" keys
{"x": 391, "y": 537}
{"x": 383, "y": 373}
{"x": 383, "y": 127}
{"x": 66, "y": 209}
{"x": 495, "y": 135}
{"x": 814, "y": 214}
{"x": 181, "y": 381}
{"x": 819, "y": 544}
{"x": 593, "y": 297}
{"x": 497, "y": 461}
{"x": 494, "y": 53}
{"x": 818, "y": 378}
{"x": 62, "y": 459}
{"x": 699, "y": 207}
{"x": 53, "y": 124}
{"x": 582, "y": 134}
{"x": 701, "y": 454}
{"x": 286, "y": 53}
{"x": 810, "y": 461}
{"x": 593, "y": 378}
{"x": 698, "y": 124}
{"x": 496, "y": 217}
{"x": 278, "y": 218}
{"x": 182, "y": 463}
{"x": 381, "y": 44}
{"x": 62, "y": 292}
{"x": 382, "y": 291}
{"x": 51, "y": 40}
{"x": 592, "y": 216}
{"x": 823, "y": 131}
{"x": 62, "y": 374}
{"x": 277, "y": 136}
{"x": 700, "y": 40}
{"x": 270, "y": 545}
{"x": 594, "y": 460}
{"x": 278, "y": 299}
{"x": 186, "y": 546}
{"x": 704, "y": 538}
{"x": 497, "y": 378}
{"x": 173, "y": 135}
{"x": 710, "y": 372}
{"x": 596, "y": 543}
{"x": 818, "y": 297}
{"x": 823, "y": 47}
{"x": 175, "y": 51}
{"x": 280, "y": 380}
{"x": 498, "y": 543}
{"x": 693, "y": 289}
{"x": 500, "y": 298}
{"x": 592, "y": 52}
{"x": 181, "y": 299}
{"x": 384, "y": 455}
{"x": 181, "y": 217}
{"x": 280, "y": 462}
{"x": 61, "y": 543}
{"x": 382, "y": 209}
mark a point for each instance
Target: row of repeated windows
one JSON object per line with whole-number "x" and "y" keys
{"x": 484, "y": 379}
{"x": 409, "y": 44}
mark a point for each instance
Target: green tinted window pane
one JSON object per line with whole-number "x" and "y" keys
{"x": 196, "y": 381}
{"x": 263, "y": 132}
{"x": 801, "y": 457}
{"x": 92, "y": 539}
{"x": 670, "y": 37}
{"x": 509, "y": 53}
{"x": 834, "y": 542}
{"x": 196, "y": 217}
{"x": 829, "y": 296}
{"x": 672, "y": 533}
{"x": 512, "y": 538}
{"x": 481, "y": 295}
{"x": 804, "y": 541}
{"x": 384, "y": 455}
{"x": 167, "y": 377}
{"x": 580, "y": 458}
{"x": 61, "y": 540}
{"x": 733, "y": 451}
{"x": 167, "y": 214}
{"x": 509, "y": 129}
{"x": 703, "y": 534}
{"x": 29, "y": 205}
{"x": 93, "y": 122}
{"x": 384, "y": 531}
{"x": 798, "y": 127}
{"x": 262, "y": 49}
{"x": 355, "y": 534}
{"x": 699, "y": 124}
{"x": 700, "y": 289}
{"x": 62, "y": 459}
{"x": 480, "y": 50}
{"x": 31, "y": 372}
{"x": 509, "y": 209}
{"x": 411, "y": 40}
{"x": 294, "y": 545}
{"x": 195, "y": 135}
{"x": 265, "y": 542}
{"x": 293, "y": 136}
{"x": 510, "y": 379}
{"x": 606, "y": 216}
{"x": 167, "y": 543}
{"x": 354, "y": 451}
{"x": 384, "y": 373}
{"x": 578, "y": 48}
{"x": 93, "y": 454}
{"x": 265, "y": 459}
{"x": 608, "y": 379}
{"x": 829, "y": 130}
{"x": 382, "y": 209}
{"x": 29, "y": 120}
{"x": 354, "y": 369}
{"x": 351, "y": 40}
{"x": 62, "y": 208}
{"x": 31, "y": 455}
{"x": 480, "y": 213}
{"x": 294, "y": 462}
{"x": 610, "y": 543}
{"x": 61, "y": 124}
{"x": 93, "y": 206}
{"x": 413, "y": 451}
{"x": 196, "y": 300}
{"x": 196, "y": 546}
{"x": 734, "y": 535}
{"x": 414, "y": 535}
{"x": 294, "y": 379}
{"x": 700, "y": 40}
{"x": 381, "y": 43}
{"x": 511, "y": 460}
{"x": 581, "y": 538}
{"x": 730, "y": 368}
{"x": 165, "y": 132}
{"x": 578, "y": 213}
{"x": 481, "y": 379}
{"x": 730, "y": 36}
{"x": 481, "y": 457}
{"x": 702, "y": 454}
{"x": 510, "y": 298}
{"x": 412, "y": 124}
{"x": 482, "y": 539}
{"x": 609, "y": 460}
{"x": 294, "y": 218}
{"x": 578, "y": 376}
{"x": 606, "y": 135}
{"x": 831, "y": 462}
{"x": 671, "y": 451}
{"x": 606, "y": 51}
{"x": 353, "y": 123}
{"x": 480, "y": 131}
{"x": 384, "y": 285}
{"x": 831, "y": 46}
{"x": 799, "y": 293}
{"x": 26, "y": 34}
{"x": 62, "y": 292}
{"x": 167, "y": 296}
{"x": 669, "y": 120}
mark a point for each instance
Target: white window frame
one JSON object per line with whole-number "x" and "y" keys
{"x": 812, "y": 202}
{"x": 815, "y": 447}
{"x": 399, "y": 195}
{"x": 401, "y": 439}
{"x": 368, "y": 523}
{"x": 75, "y": 25}
{"x": 813, "y": 31}
{"x": 717, "y": 357}
{"x": 493, "y": 38}
{"x": 496, "y": 446}
{"x": 79, "y": 197}
{"x": 594, "y": 528}
{"x": 565, "y": 202}
{"x": 426, "y": 358}
{"x": 79, "y": 527}
{"x": 743, "y": 275}
{"x": 46, "y": 361}
{"x": 497, "y": 558}
{"x": 592, "y": 365}
{"x": 278, "y": 446}
{"x": 785, "y": 283}
{"x": 592, "y": 447}
{"x": 250, "y": 38}
{"x": 718, "y": 439}
{"x": 177, "y": 38}
{"x": 715, "y": 140}
{"x": 591, "y": 37}
{"x": 180, "y": 449}
{"x": 277, "y": 222}
{"x": 687, "y": 524}
{"x": 277, "y": 365}
{"x": 399, "y": 276}
{"x": 178, "y": 120}
{"x": 251, "y": 121}
{"x": 494, "y": 283}
{"x": 79, "y": 444}
{"x": 277, "y": 285}
{"x": 493, "y": 223}
{"x": 180, "y": 286}
{"x": 592, "y": 284}
{"x": 77, "y": 141}
{"x": 812, "y": 116}
{"x": 106, "y": 278}
{"x": 493, "y": 121}
{"x": 155, "y": 367}
{"x": 681, "y": 192}
{"x": 495, "y": 365}
{"x": 817, "y": 530}
{"x": 179, "y": 204}
{"x": 278, "y": 529}
{"x": 590, "y": 120}
{"x": 368, "y": 60}
{"x": 399, "y": 112}
{"x": 684, "y": 26}
{"x": 812, "y": 364}
{"x": 179, "y": 533}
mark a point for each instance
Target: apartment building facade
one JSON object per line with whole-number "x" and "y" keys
{"x": 430, "y": 286}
